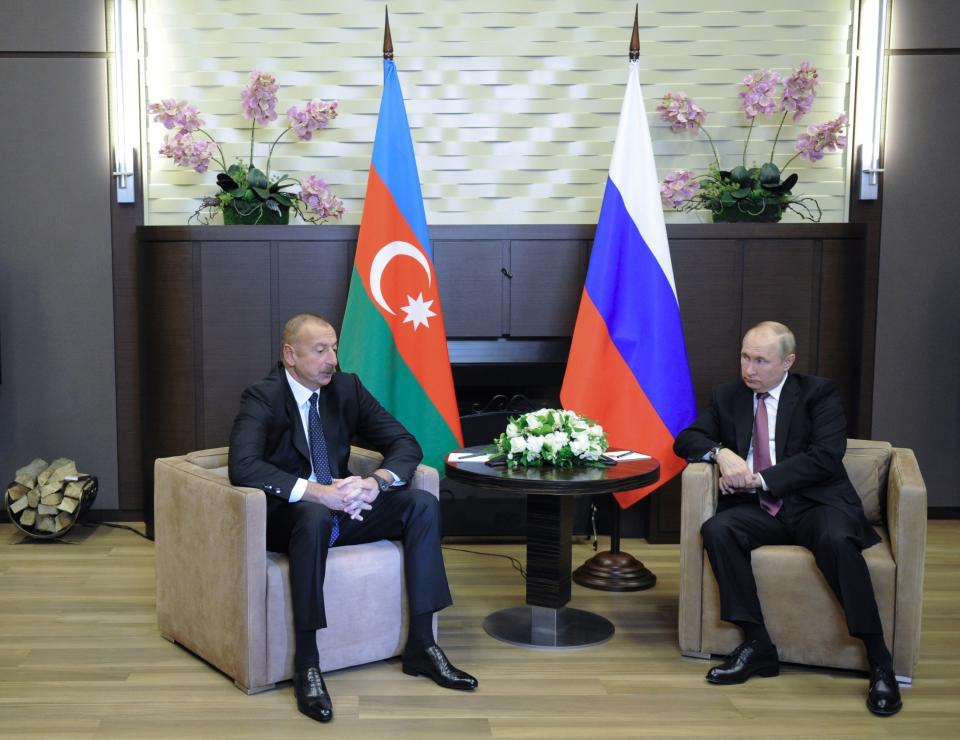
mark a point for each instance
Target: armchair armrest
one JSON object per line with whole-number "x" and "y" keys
{"x": 907, "y": 527}
{"x": 211, "y": 564}
{"x": 699, "y": 502}
{"x": 364, "y": 462}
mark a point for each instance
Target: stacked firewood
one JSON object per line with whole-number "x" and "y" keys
{"x": 46, "y": 497}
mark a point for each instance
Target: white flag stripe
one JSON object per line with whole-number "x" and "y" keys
{"x": 634, "y": 172}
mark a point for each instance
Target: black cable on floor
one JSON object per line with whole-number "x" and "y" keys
{"x": 517, "y": 565}
{"x": 116, "y": 526}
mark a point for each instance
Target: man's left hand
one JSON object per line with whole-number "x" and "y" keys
{"x": 366, "y": 491}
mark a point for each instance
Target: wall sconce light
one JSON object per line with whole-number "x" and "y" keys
{"x": 126, "y": 97}
{"x": 871, "y": 68}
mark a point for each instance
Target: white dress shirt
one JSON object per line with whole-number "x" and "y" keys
{"x": 773, "y": 403}
{"x": 301, "y": 394}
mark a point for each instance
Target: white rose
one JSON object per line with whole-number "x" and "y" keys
{"x": 534, "y": 420}
{"x": 595, "y": 430}
{"x": 534, "y": 444}
{"x": 512, "y": 430}
{"x": 517, "y": 444}
{"x": 579, "y": 445}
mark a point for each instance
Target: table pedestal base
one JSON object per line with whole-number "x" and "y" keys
{"x": 552, "y": 629}
{"x": 614, "y": 571}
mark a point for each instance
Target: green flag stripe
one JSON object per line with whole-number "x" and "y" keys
{"x": 367, "y": 349}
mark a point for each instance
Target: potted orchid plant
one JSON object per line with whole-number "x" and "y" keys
{"x": 758, "y": 192}
{"x": 249, "y": 195}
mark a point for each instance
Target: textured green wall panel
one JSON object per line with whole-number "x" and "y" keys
{"x": 513, "y": 103}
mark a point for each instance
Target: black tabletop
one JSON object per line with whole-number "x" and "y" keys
{"x": 625, "y": 475}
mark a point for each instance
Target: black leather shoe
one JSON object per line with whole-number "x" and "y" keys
{"x": 751, "y": 658}
{"x": 883, "y": 698}
{"x": 431, "y": 662}
{"x": 312, "y": 697}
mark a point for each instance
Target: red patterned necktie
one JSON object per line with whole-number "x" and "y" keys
{"x": 761, "y": 453}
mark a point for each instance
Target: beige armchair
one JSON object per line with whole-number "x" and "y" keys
{"x": 803, "y": 617}
{"x": 222, "y": 596}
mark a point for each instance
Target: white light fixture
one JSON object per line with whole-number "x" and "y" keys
{"x": 871, "y": 67}
{"x": 126, "y": 94}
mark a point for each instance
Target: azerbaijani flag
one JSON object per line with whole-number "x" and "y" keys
{"x": 393, "y": 335}
{"x": 628, "y": 367}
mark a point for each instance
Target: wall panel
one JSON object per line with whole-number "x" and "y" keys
{"x": 513, "y": 104}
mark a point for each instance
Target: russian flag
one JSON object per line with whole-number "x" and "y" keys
{"x": 393, "y": 335}
{"x": 628, "y": 366}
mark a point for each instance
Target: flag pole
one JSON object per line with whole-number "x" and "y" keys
{"x": 614, "y": 570}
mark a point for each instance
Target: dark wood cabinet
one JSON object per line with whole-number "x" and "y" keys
{"x": 215, "y": 300}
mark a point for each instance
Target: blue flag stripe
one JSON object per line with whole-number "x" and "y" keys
{"x": 393, "y": 157}
{"x": 628, "y": 287}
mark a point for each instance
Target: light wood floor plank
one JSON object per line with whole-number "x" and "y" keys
{"x": 80, "y": 658}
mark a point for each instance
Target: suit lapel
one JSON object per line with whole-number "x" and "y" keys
{"x": 296, "y": 421}
{"x": 743, "y": 420}
{"x": 331, "y": 427}
{"x": 785, "y": 408}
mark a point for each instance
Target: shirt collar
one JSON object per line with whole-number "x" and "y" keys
{"x": 775, "y": 392}
{"x": 301, "y": 394}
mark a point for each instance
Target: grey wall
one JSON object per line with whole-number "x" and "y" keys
{"x": 917, "y": 381}
{"x": 57, "y": 393}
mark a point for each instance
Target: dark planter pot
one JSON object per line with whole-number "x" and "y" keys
{"x": 771, "y": 213}
{"x": 261, "y": 216}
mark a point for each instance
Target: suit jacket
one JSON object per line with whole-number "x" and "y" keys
{"x": 810, "y": 438}
{"x": 269, "y": 448}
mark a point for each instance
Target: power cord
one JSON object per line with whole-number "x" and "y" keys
{"x": 517, "y": 565}
{"x": 115, "y": 526}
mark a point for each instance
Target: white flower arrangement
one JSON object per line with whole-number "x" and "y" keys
{"x": 551, "y": 437}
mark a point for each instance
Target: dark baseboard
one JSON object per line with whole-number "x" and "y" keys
{"x": 943, "y": 512}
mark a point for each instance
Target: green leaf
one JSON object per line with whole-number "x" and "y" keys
{"x": 257, "y": 179}
{"x": 741, "y": 176}
{"x": 237, "y": 172}
{"x": 283, "y": 199}
{"x": 769, "y": 174}
{"x": 783, "y": 188}
{"x": 262, "y": 192}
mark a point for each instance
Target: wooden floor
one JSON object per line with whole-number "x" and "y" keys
{"x": 80, "y": 657}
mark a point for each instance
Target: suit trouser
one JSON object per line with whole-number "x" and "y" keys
{"x": 302, "y": 531}
{"x": 740, "y": 526}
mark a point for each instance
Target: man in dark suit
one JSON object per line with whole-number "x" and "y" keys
{"x": 778, "y": 439}
{"x": 292, "y": 438}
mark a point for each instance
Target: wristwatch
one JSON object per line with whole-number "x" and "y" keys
{"x": 712, "y": 455}
{"x": 382, "y": 483}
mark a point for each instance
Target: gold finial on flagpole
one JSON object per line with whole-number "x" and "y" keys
{"x": 635, "y": 39}
{"x": 387, "y": 41}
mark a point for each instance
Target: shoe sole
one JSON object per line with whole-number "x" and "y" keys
{"x": 885, "y": 712}
{"x": 762, "y": 673}
{"x": 418, "y": 672}
{"x": 312, "y": 716}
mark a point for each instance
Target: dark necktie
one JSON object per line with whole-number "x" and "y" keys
{"x": 318, "y": 455}
{"x": 761, "y": 453}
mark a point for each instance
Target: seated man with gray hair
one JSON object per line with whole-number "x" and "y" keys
{"x": 778, "y": 439}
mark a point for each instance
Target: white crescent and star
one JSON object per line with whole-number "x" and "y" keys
{"x": 417, "y": 310}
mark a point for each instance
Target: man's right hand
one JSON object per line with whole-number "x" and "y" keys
{"x": 343, "y": 494}
{"x": 734, "y": 473}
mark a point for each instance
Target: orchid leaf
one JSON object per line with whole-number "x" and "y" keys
{"x": 741, "y": 176}
{"x": 769, "y": 174}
